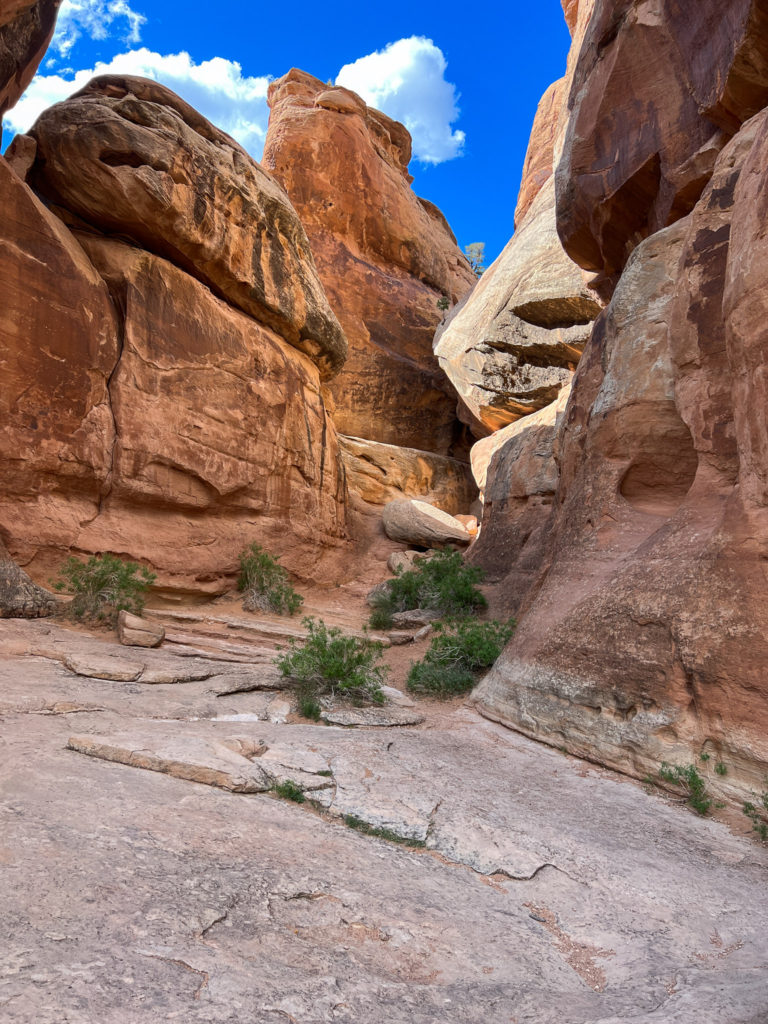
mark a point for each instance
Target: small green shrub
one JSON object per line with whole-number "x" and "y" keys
{"x": 104, "y": 586}
{"x": 692, "y": 784}
{"x": 443, "y": 303}
{"x": 308, "y": 704}
{"x": 288, "y": 790}
{"x": 458, "y": 651}
{"x": 758, "y": 814}
{"x": 352, "y": 821}
{"x": 330, "y": 662}
{"x": 721, "y": 769}
{"x": 440, "y": 583}
{"x": 265, "y": 583}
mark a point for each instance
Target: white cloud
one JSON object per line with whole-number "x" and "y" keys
{"x": 407, "y": 81}
{"x": 217, "y": 88}
{"x": 97, "y": 19}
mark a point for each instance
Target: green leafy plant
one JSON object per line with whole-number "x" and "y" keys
{"x": 264, "y": 583}
{"x": 443, "y": 303}
{"x": 441, "y": 583}
{"x": 721, "y": 769}
{"x": 692, "y": 784}
{"x": 288, "y": 790}
{"x": 758, "y": 814}
{"x": 457, "y": 652}
{"x": 328, "y": 662}
{"x": 104, "y": 586}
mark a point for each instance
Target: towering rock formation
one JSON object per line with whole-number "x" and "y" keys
{"x": 384, "y": 256}
{"x": 643, "y": 629}
{"x": 163, "y": 352}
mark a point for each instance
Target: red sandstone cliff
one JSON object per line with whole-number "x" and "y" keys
{"x": 384, "y": 256}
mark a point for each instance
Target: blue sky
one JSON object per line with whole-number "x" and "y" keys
{"x": 466, "y": 80}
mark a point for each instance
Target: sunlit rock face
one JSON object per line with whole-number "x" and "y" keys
{"x": 385, "y": 258}
{"x": 516, "y": 341}
{"x": 644, "y": 636}
{"x": 162, "y": 392}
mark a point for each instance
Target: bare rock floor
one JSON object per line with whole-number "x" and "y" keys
{"x": 540, "y": 889}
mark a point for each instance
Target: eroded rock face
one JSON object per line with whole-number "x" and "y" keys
{"x": 658, "y": 89}
{"x": 516, "y": 341}
{"x": 26, "y": 27}
{"x": 58, "y": 346}
{"x": 131, "y": 158}
{"x": 221, "y": 432}
{"x": 384, "y": 256}
{"x": 645, "y": 640}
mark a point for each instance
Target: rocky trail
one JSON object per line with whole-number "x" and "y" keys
{"x": 449, "y": 870}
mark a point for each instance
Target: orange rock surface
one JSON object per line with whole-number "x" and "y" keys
{"x": 129, "y": 157}
{"x": 656, "y": 94}
{"x": 384, "y": 256}
{"x": 644, "y": 635}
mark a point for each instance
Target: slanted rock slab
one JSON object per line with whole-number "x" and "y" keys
{"x": 372, "y": 717}
{"x": 416, "y": 522}
{"x": 183, "y": 756}
{"x": 104, "y": 667}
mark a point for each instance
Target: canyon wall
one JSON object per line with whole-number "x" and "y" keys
{"x": 164, "y": 338}
{"x": 643, "y": 618}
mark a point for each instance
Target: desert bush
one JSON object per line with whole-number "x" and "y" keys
{"x": 441, "y": 583}
{"x": 457, "y": 652}
{"x": 264, "y": 583}
{"x": 692, "y": 784}
{"x": 103, "y": 586}
{"x": 328, "y": 662}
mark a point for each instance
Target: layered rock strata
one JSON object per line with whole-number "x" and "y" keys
{"x": 130, "y": 158}
{"x": 516, "y": 341}
{"x": 162, "y": 391}
{"x": 385, "y": 258}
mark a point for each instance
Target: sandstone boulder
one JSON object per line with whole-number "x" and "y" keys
{"x": 26, "y": 27}
{"x": 384, "y": 256}
{"x": 539, "y": 158}
{"x": 133, "y": 631}
{"x": 20, "y": 598}
{"x": 416, "y": 522}
{"x": 379, "y": 473}
{"x": 130, "y": 158}
{"x": 658, "y": 89}
{"x": 516, "y": 341}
